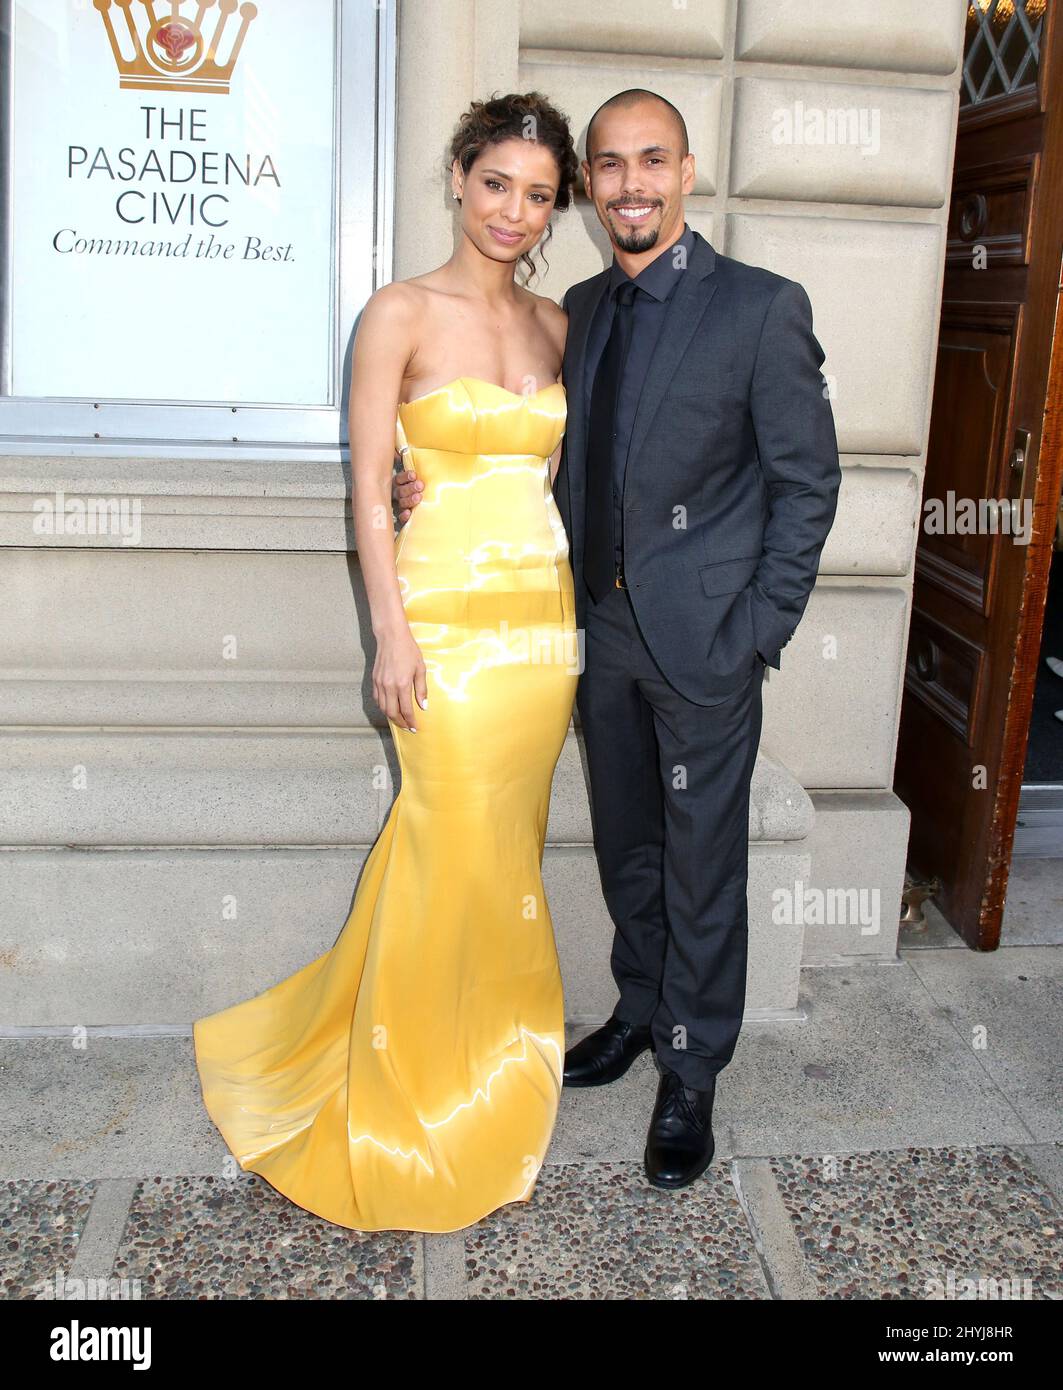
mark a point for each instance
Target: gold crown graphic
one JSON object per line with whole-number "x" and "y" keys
{"x": 173, "y": 56}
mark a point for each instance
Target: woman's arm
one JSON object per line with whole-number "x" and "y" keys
{"x": 383, "y": 346}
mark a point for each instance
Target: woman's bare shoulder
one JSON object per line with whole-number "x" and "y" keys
{"x": 392, "y": 303}
{"x": 395, "y": 314}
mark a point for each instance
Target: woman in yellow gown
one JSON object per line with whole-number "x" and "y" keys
{"x": 409, "y": 1078}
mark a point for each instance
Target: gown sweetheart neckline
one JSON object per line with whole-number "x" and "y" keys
{"x": 518, "y": 395}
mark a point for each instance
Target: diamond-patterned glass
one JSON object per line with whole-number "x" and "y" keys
{"x": 1002, "y": 48}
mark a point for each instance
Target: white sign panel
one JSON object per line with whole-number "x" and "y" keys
{"x": 174, "y": 201}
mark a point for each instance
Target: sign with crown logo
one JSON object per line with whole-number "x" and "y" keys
{"x": 176, "y": 53}
{"x": 173, "y": 185}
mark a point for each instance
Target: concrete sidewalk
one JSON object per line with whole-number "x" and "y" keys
{"x": 904, "y": 1137}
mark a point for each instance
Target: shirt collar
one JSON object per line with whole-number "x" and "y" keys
{"x": 660, "y": 277}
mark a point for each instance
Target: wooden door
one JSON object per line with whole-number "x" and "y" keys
{"x": 979, "y": 593}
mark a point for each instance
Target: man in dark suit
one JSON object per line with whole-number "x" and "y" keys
{"x": 698, "y": 483}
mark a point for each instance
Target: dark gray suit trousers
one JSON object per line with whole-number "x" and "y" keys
{"x": 669, "y": 792}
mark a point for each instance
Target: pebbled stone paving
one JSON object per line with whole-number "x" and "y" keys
{"x": 205, "y": 1237}
{"x": 599, "y": 1231}
{"x": 908, "y": 1224}
{"x": 41, "y": 1226}
{"x": 918, "y": 1223}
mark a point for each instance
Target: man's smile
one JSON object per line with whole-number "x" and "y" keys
{"x": 635, "y": 212}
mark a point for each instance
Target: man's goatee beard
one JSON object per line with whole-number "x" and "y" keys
{"x": 637, "y": 240}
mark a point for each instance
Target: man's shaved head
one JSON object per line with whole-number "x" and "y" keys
{"x": 631, "y": 97}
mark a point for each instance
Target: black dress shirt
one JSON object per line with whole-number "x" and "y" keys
{"x": 657, "y": 283}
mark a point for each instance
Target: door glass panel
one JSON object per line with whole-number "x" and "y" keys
{"x": 1002, "y": 48}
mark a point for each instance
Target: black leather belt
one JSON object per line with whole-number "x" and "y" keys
{"x": 621, "y": 582}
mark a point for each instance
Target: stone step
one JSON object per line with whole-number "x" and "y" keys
{"x": 318, "y": 788}
{"x": 163, "y": 936}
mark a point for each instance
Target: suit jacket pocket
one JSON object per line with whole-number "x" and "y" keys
{"x": 728, "y": 576}
{"x": 732, "y": 651}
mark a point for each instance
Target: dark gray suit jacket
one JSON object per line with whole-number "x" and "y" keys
{"x": 732, "y": 475}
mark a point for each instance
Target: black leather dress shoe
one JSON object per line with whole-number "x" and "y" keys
{"x": 606, "y": 1054}
{"x": 680, "y": 1145}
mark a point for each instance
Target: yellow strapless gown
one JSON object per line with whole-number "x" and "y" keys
{"x": 409, "y": 1078}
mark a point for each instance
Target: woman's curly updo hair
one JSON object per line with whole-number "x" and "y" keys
{"x": 518, "y": 116}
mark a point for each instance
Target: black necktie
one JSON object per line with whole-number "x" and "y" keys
{"x": 599, "y": 555}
